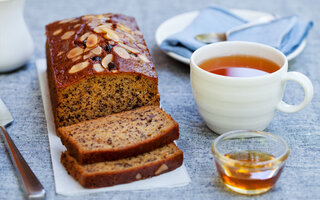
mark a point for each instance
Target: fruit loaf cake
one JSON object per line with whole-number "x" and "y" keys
{"x": 98, "y": 65}
{"x": 102, "y": 174}
{"x": 119, "y": 135}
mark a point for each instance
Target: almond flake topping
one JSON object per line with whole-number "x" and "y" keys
{"x": 98, "y": 30}
{"x": 67, "y": 35}
{"x": 142, "y": 46}
{"x": 98, "y": 67}
{"x": 95, "y": 23}
{"x": 90, "y": 54}
{"x": 103, "y": 28}
{"x": 97, "y": 50}
{"x": 92, "y": 40}
{"x": 76, "y": 26}
{"x": 130, "y": 36}
{"x": 123, "y": 27}
{"x": 84, "y": 36}
{"x": 134, "y": 57}
{"x": 106, "y": 60}
{"x": 133, "y": 50}
{"x": 106, "y": 27}
{"x": 75, "y": 52}
{"x": 103, "y": 17}
{"x": 87, "y": 49}
{"x": 87, "y": 17}
{"x": 144, "y": 58}
{"x": 138, "y": 33}
{"x": 60, "y": 53}
{"x": 78, "y": 67}
{"x": 76, "y": 58}
{"x": 112, "y": 35}
{"x": 57, "y": 32}
{"x": 66, "y": 21}
{"x": 121, "y": 52}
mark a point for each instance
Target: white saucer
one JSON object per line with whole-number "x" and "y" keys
{"x": 179, "y": 22}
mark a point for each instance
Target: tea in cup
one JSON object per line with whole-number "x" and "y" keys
{"x": 240, "y": 85}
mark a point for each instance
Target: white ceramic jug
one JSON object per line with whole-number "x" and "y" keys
{"x": 16, "y": 45}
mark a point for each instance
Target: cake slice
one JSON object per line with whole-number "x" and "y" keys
{"x": 119, "y": 135}
{"x": 102, "y": 174}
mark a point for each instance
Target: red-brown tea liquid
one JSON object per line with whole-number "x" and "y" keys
{"x": 239, "y": 66}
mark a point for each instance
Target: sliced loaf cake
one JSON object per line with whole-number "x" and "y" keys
{"x": 119, "y": 135}
{"x": 102, "y": 174}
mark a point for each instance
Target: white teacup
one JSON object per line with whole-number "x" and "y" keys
{"x": 230, "y": 103}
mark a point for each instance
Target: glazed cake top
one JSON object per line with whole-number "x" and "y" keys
{"x": 96, "y": 44}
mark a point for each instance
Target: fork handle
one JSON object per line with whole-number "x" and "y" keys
{"x": 30, "y": 184}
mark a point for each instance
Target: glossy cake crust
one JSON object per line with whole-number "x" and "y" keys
{"x": 126, "y": 37}
{"x": 98, "y": 65}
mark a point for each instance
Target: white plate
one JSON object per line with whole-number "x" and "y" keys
{"x": 179, "y": 22}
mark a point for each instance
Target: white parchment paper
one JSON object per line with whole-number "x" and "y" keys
{"x": 66, "y": 185}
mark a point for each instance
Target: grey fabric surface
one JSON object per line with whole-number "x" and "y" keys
{"x": 21, "y": 92}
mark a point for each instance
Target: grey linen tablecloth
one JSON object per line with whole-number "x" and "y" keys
{"x": 21, "y": 92}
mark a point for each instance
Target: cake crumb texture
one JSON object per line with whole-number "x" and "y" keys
{"x": 102, "y": 174}
{"x": 119, "y": 135}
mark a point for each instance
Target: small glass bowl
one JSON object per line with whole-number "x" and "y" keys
{"x": 249, "y": 162}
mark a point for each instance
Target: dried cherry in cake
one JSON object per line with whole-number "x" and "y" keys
{"x": 96, "y": 58}
{"x": 112, "y": 66}
{"x": 108, "y": 48}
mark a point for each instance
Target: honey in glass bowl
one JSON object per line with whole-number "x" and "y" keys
{"x": 249, "y": 162}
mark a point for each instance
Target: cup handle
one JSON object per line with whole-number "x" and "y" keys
{"x": 305, "y": 83}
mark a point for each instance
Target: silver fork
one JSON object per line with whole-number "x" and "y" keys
{"x": 29, "y": 182}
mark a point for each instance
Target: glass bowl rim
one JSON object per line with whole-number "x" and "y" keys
{"x": 279, "y": 159}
